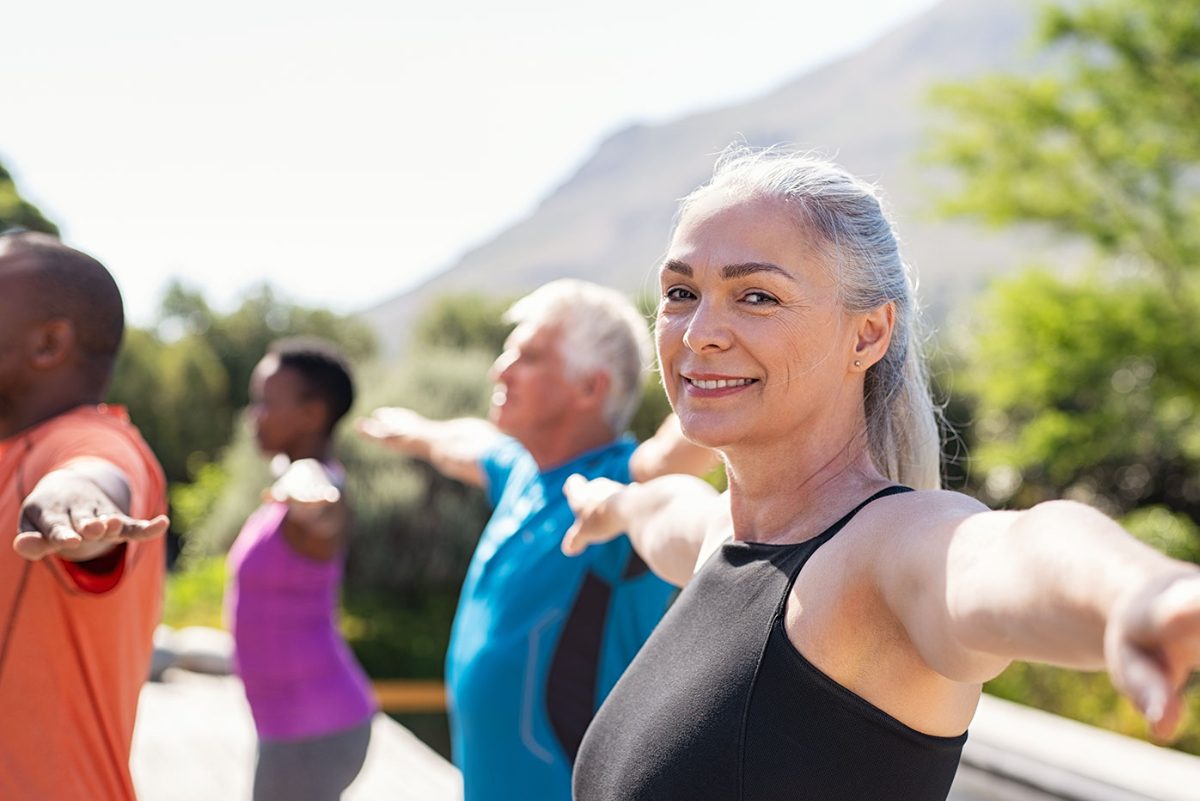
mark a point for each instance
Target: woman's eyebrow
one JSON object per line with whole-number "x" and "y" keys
{"x": 751, "y": 267}
{"x": 729, "y": 271}
{"x": 676, "y": 266}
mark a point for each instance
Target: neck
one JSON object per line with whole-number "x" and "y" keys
{"x": 39, "y": 409}
{"x": 784, "y": 492}
{"x": 313, "y": 447}
{"x": 554, "y": 449}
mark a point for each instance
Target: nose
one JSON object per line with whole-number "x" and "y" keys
{"x": 707, "y": 328}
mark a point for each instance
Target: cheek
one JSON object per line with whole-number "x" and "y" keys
{"x": 668, "y": 336}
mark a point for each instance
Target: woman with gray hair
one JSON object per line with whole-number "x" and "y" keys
{"x": 841, "y": 611}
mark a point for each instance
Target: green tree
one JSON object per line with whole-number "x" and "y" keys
{"x": 1102, "y": 145}
{"x": 15, "y": 211}
{"x": 464, "y": 321}
{"x": 1088, "y": 385}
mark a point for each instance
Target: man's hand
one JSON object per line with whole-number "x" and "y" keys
{"x": 72, "y": 512}
{"x": 596, "y": 518}
{"x": 1152, "y": 647}
{"x": 394, "y": 426}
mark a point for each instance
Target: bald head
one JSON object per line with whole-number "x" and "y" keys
{"x": 53, "y": 281}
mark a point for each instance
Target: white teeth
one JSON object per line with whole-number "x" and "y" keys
{"x": 720, "y": 383}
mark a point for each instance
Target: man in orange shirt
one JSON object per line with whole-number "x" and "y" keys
{"x": 82, "y": 498}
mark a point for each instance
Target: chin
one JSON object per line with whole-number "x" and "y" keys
{"x": 707, "y": 432}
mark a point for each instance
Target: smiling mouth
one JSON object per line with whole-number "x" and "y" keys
{"x": 720, "y": 383}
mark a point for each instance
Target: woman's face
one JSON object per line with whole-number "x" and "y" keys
{"x": 281, "y": 412}
{"x": 751, "y": 338}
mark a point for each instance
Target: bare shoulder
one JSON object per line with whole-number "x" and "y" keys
{"x": 912, "y": 518}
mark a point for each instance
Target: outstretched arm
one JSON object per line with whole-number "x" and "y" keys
{"x": 1059, "y": 583}
{"x": 454, "y": 447}
{"x": 80, "y": 513}
{"x": 669, "y": 452}
{"x": 667, "y": 519}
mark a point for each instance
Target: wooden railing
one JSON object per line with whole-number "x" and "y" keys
{"x": 409, "y": 696}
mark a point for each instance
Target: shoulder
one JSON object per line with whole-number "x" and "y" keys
{"x": 918, "y": 510}
{"x": 906, "y": 522}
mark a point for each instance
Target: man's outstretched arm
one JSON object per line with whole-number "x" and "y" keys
{"x": 454, "y": 447}
{"x": 81, "y": 512}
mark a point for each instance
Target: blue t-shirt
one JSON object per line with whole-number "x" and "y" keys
{"x": 540, "y": 638}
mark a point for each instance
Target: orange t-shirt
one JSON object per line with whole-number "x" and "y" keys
{"x": 75, "y": 647}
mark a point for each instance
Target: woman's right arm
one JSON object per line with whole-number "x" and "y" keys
{"x": 668, "y": 520}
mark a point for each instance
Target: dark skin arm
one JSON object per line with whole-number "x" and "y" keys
{"x": 80, "y": 513}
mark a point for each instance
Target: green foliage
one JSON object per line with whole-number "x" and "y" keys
{"x": 462, "y": 322}
{"x": 1176, "y": 535}
{"x": 1103, "y": 145}
{"x": 16, "y": 212}
{"x": 399, "y": 637}
{"x": 194, "y": 595}
{"x": 186, "y": 381}
{"x": 1088, "y": 389}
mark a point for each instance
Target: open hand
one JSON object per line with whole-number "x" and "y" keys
{"x": 596, "y": 519}
{"x": 1152, "y": 646}
{"x": 67, "y": 513}
{"x": 392, "y": 425}
{"x": 305, "y": 482}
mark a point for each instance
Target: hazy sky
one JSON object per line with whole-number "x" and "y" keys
{"x": 345, "y": 151}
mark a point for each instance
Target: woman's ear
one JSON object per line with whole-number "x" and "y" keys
{"x": 873, "y": 336}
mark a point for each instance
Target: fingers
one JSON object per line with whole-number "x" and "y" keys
{"x": 371, "y": 428}
{"x": 589, "y": 501}
{"x": 42, "y": 537}
{"x": 386, "y": 422}
{"x": 1153, "y": 647}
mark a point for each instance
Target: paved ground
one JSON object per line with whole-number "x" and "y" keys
{"x": 194, "y": 741}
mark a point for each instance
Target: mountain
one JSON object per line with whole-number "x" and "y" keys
{"x": 609, "y": 222}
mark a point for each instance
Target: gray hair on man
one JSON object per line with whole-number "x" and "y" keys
{"x": 601, "y": 331}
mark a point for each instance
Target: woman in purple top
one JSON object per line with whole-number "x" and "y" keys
{"x": 312, "y": 704}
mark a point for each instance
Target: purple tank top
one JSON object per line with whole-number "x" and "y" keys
{"x": 301, "y": 679}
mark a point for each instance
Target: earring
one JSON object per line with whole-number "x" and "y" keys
{"x": 858, "y": 362}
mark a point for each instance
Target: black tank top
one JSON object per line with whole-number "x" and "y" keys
{"x": 720, "y": 705}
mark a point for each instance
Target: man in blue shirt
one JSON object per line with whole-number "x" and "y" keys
{"x": 539, "y": 638}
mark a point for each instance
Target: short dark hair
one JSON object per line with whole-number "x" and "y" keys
{"x": 325, "y": 371}
{"x": 71, "y": 284}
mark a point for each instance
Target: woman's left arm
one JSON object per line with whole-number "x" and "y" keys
{"x": 1059, "y": 583}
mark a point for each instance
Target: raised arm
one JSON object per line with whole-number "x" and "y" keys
{"x": 452, "y": 446}
{"x": 667, "y": 519}
{"x": 1060, "y": 583}
{"x": 669, "y": 452}
{"x": 80, "y": 512}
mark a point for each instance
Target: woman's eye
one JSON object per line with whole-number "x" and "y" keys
{"x": 678, "y": 293}
{"x": 758, "y": 298}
